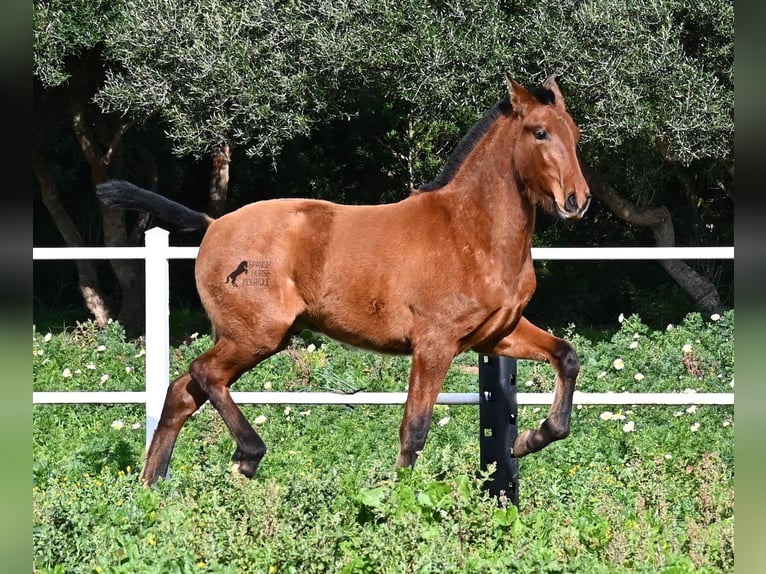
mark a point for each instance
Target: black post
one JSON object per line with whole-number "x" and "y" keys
{"x": 498, "y": 408}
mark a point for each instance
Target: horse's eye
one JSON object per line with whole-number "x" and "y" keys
{"x": 541, "y": 135}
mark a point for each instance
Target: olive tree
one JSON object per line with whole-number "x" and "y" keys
{"x": 650, "y": 82}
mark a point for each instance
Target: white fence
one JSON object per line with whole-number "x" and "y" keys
{"x": 157, "y": 253}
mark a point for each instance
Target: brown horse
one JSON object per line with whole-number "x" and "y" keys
{"x": 440, "y": 272}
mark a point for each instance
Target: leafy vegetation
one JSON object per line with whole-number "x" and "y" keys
{"x": 637, "y": 489}
{"x": 357, "y": 101}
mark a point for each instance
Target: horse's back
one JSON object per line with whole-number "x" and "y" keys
{"x": 329, "y": 266}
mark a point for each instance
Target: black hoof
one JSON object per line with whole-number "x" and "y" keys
{"x": 245, "y": 463}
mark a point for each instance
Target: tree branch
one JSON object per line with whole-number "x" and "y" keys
{"x": 659, "y": 220}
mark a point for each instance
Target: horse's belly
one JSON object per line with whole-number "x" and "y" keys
{"x": 372, "y": 325}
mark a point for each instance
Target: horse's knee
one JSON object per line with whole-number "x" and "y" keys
{"x": 569, "y": 362}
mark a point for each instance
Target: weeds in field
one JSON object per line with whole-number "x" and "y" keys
{"x": 633, "y": 489}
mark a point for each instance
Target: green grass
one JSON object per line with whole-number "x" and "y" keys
{"x": 327, "y": 498}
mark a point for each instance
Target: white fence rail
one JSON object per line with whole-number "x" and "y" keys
{"x": 157, "y": 253}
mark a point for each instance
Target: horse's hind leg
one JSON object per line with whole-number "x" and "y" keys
{"x": 529, "y": 342}
{"x": 183, "y": 398}
{"x": 215, "y": 371}
{"x": 429, "y": 367}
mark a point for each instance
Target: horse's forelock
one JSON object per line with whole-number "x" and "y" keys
{"x": 544, "y": 95}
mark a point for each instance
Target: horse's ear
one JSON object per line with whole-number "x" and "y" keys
{"x": 520, "y": 97}
{"x": 550, "y": 84}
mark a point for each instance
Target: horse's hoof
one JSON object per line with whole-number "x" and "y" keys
{"x": 245, "y": 468}
{"x": 520, "y": 447}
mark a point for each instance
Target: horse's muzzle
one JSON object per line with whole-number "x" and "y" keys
{"x": 573, "y": 210}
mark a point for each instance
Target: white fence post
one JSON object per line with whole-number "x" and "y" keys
{"x": 157, "y": 326}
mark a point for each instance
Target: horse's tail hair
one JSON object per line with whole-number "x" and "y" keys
{"x": 119, "y": 193}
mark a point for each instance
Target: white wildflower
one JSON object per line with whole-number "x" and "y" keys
{"x": 91, "y": 365}
{"x": 621, "y": 318}
{"x": 104, "y": 378}
{"x": 687, "y": 348}
{"x": 443, "y": 421}
{"x": 601, "y": 375}
{"x": 48, "y": 337}
{"x": 66, "y": 373}
{"x": 629, "y": 426}
{"x": 668, "y": 456}
{"x": 118, "y": 424}
{"x": 311, "y": 348}
{"x": 141, "y": 353}
{"x": 695, "y": 427}
{"x": 606, "y": 416}
{"x": 633, "y": 345}
{"x": 288, "y": 410}
{"x": 39, "y": 352}
{"x": 135, "y": 426}
{"x": 692, "y": 409}
{"x": 128, "y": 369}
{"x": 267, "y": 385}
{"x": 101, "y": 348}
{"x": 260, "y": 419}
{"x": 194, "y": 336}
{"x": 618, "y": 364}
{"x": 715, "y": 317}
{"x": 639, "y": 377}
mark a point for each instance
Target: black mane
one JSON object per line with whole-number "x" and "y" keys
{"x": 466, "y": 144}
{"x": 471, "y": 138}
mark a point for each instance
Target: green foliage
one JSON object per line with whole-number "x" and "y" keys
{"x": 647, "y": 73}
{"x": 357, "y": 101}
{"x": 655, "y": 498}
{"x": 639, "y": 77}
{"x": 65, "y": 29}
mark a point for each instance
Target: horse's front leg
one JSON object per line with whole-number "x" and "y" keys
{"x": 429, "y": 367}
{"x": 527, "y": 341}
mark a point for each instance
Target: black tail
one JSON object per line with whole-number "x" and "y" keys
{"x": 124, "y": 194}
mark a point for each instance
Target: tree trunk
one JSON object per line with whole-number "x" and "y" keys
{"x": 219, "y": 181}
{"x": 129, "y": 274}
{"x": 659, "y": 220}
{"x": 87, "y": 273}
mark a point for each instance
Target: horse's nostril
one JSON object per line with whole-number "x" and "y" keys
{"x": 571, "y": 203}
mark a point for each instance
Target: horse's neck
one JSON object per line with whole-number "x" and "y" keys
{"x": 490, "y": 198}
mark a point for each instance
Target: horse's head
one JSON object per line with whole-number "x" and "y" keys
{"x": 545, "y": 154}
